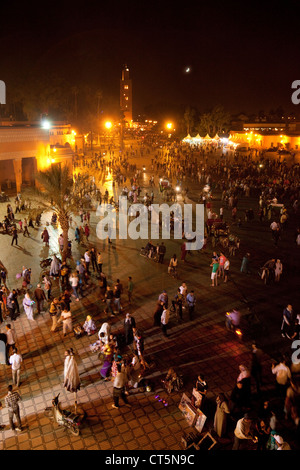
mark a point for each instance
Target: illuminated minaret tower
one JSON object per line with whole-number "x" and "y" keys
{"x": 126, "y": 95}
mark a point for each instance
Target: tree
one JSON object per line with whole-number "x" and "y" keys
{"x": 60, "y": 194}
{"x": 189, "y": 118}
{"x": 214, "y": 122}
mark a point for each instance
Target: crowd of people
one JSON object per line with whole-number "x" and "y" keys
{"x": 275, "y": 185}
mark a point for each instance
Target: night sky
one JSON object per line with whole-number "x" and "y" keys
{"x": 242, "y": 55}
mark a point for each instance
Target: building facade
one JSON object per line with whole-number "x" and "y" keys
{"x": 26, "y": 149}
{"x": 269, "y": 135}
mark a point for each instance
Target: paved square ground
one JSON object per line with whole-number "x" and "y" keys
{"x": 201, "y": 345}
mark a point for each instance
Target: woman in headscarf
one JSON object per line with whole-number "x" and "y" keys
{"x": 27, "y": 304}
{"x": 54, "y": 267}
{"x": 89, "y": 326}
{"x": 108, "y": 357}
{"x": 71, "y": 374}
{"x": 45, "y": 236}
{"x": 104, "y": 332}
{"x": 220, "y": 419}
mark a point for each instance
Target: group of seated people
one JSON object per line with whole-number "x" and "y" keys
{"x": 150, "y": 250}
{"x": 172, "y": 381}
{"x": 112, "y": 358}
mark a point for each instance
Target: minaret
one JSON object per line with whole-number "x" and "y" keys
{"x": 126, "y": 95}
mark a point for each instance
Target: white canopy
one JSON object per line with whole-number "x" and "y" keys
{"x": 188, "y": 138}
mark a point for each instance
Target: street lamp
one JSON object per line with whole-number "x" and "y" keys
{"x": 108, "y": 124}
{"x": 169, "y": 125}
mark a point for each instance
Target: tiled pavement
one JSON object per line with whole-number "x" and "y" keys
{"x": 193, "y": 346}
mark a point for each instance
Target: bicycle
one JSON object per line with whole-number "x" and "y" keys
{"x": 173, "y": 271}
{"x": 264, "y": 274}
{"x": 174, "y": 311}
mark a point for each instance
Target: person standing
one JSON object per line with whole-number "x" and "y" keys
{"x": 164, "y": 320}
{"x": 119, "y": 388}
{"x": 256, "y": 366}
{"x": 71, "y": 373}
{"x": 14, "y": 236}
{"x": 199, "y": 391}
{"x": 129, "y": 324}
{"x": 28, "y": 306}
{"x": 287, "y": 321}
{"x": 93, "y": 256}
{"x": 39, "y": 296}
{"x": 16, "y": 360}
{"x": 222, "y": 259}
{"x": 47, "y": 286}
{"x": 54, "y": 267}
{"x": 245, "y": 264}
{"x": 283, "y": 376}
{"x": 25, "y": 225}
{"x": 53, "y": 311}
{"x": 108, "y": 298}
{"x": 278, "y": 270}
{"x": 178, "y": 302}
{"x": 243, "y": 430}
{"x": 214, "y": 273}
{"x": 191, "y": 302}
{"x": 66, "y": 319}
{"x": 11, "y": 306}
{"x": 12, "y": 403}
{"x": 87, "y": 232}
{"x": 117, "y": 297}
{"x": 183, "y": 291}
{"x": 158, "y": 312}
{"x": 10, "y": 341}
{"x": 183, "y": 252}
{"x": 74, "y": 282}
{"x": 221, "y": 413}
{"x": 61, "y": 242}
{"x": 161, "y": 252}
{"x": 138, "y": 343}
{"x": 87, "y": 260}
{"x": 45, "y": 237}
{"x": 99, "y": 262}
{"x": 226, "y": 269}
{"x": 129, "y": 289}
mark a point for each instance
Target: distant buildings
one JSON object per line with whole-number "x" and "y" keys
{"x": 264, "y": 135}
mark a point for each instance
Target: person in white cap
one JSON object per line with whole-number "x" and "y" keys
{"x": 281, "y": 444}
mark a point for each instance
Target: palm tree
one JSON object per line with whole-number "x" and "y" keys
{"x": 60, "y": 194}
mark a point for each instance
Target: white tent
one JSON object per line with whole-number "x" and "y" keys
{"x": 207, "y": 137}
{"x": 188, "y": 138}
